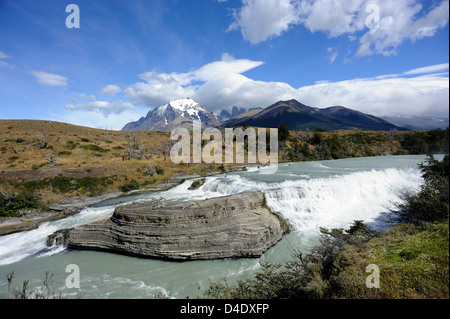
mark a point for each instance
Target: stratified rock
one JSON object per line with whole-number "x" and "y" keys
{"x": 226, "y": 227}
{"x": 58, "y": 237}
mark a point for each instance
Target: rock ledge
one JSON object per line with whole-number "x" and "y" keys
{"x": 227, "y": 227}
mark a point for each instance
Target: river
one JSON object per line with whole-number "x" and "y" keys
{"x": 309, "y": 195}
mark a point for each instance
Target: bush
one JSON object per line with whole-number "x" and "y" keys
{"x": 131, "y": 186}
{"x": 94, "y": 148}
{"x": 308, "y": 276}
{"x": 432, "y": 202}
{"x": 93, "y": 186}
{"x": 71, "y": 145}
{"x": 10, "y": 205}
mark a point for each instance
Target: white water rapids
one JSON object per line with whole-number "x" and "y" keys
{"x": 309, "y": 195}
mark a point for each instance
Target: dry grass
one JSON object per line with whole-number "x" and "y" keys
{"x": 80, "y": 152}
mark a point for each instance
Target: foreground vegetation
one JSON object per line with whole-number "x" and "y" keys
{"x": 320, "y": 145}
{"x": 413, "y": 256}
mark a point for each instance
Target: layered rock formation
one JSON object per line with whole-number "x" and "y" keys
{"x": 226, "y": 227}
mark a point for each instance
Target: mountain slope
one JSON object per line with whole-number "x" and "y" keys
{"x": 298, "y": 116}
{"x": 176, "y": 113}
{"x": 419, "y": 122}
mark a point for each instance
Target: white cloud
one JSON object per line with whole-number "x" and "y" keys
{"x": 159, "y": 88}
{"x": 262, "y": 19}
{"x": 50, "y": 79}
{"x": 110, "y": 90}
{"x": 222, "y": 85}
{"x": 92, "y": 104}
{"x": 428, "y": 69}
{"x": 93, "y": 118}
{"x": 422, "y": 95}
{"x": 399, "y": 21}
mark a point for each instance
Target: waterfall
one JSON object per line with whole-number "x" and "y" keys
{"x": 305, "y": 194}
{"x": 338, "y": 201}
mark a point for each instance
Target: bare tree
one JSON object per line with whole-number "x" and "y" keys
{"x": 163, "y": 149}
{"x": 15, "y": 148}
{"x": 132, "y": 145}
{"x": 143, "y": 152}
{"x": 42, "y": 140}
{"x": 52, "y": 159}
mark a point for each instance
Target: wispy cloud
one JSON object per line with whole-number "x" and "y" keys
{"x": 332, "y": 55}
{"x": 3, "y": 57}
{"x": 91, "y": 104}
{"x": 50, "y": 79}
{"x": 110, "y": 90}
{"x": 428, "y": 69}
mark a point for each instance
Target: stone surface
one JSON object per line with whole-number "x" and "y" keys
{"x": 227, "y": 227}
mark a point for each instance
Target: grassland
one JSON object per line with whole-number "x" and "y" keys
{"x": 57, "y": 161}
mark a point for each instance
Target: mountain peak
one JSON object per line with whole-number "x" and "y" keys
{"x": 184, "y": 104}
{"x": 176, "y": 113}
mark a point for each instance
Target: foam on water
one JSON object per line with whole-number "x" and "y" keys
{"x": 18, "y": 246}
{"x": 338, "y": 201}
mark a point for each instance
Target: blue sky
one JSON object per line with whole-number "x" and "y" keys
{"x": 381, "y": 57}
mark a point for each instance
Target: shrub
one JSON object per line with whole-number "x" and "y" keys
{"x": 35, "y": 167}
{"x": 71, "y": 145}
{"x": 10, "y": 205}
{"x": 308, "y": 276}
{"x": 130, "y": 186}
{"x": 13, "y": 158}
{"x": 92, "y": 186}
{"x": 94, "y": 148}
{"x": 432, "y": 202}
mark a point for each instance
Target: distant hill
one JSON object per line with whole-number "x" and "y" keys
{"x": 419, "y": 123}
{"x": 300, "y": 117}
{"x": 176, "y": 113}
{"x": 235, "y": 111}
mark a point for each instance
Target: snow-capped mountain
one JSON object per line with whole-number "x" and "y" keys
{"x": 176, "y": 113}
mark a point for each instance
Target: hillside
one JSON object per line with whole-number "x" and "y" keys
{"x": 300, "y": 117}
{"x": 58, "y": 161}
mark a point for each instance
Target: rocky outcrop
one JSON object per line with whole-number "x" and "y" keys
{"x": 226, "y": 227}
{"x": 197, "y": 184}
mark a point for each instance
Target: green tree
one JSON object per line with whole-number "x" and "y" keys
{"x": 283, "y": 133}
{"x": 432, "y": 202}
